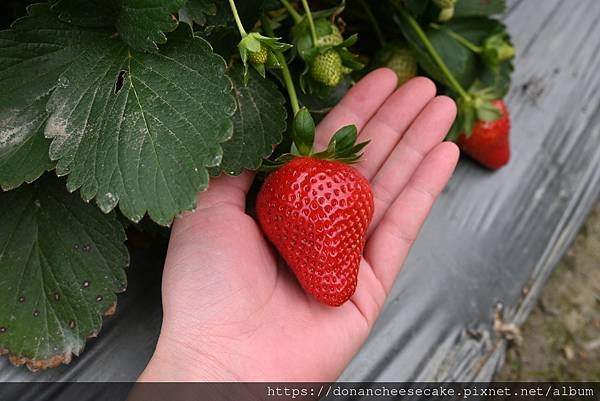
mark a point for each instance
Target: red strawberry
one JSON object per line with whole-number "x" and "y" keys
{"x": 316, "y": 211}
{"x": 489, "y": 142}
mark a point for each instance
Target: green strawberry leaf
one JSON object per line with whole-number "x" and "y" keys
{"x": 90, "y": 13}
{"x": 461, "y": 62}
{"x": 498, "y": 79}
{"x": 199, "y": 9}
{"x": 154, "y": 138}
{"x": 142, "y": 23}
{"x": 31, "y": 62}
{"x": 466, "y": 65}
{"x": 474, "y": 8}
{"x": 26, "y": 158}
{"x": 131, "y": 128}
{"x": 475, "y": 30}
{"x": 423, "y": 57}
{"x": 62, "y": 264}
{"x": 258, "y": 123}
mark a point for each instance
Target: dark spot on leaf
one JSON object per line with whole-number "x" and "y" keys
{"x": 36, "y": 313}
{"x": 119, "y": 81}
{"x": 3, "y": 329}
{"x": 72, "y": 324}
{"x": 22, "y": 299}
{"x": 99, "y": 298}
{"x": 87, "y": 248}
{"x": 56, "y": 296}
{"x": 86, "y": 284}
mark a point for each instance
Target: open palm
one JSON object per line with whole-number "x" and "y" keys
{"x": 233, "y": 311}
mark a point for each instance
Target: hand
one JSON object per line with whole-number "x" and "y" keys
{"x": 234, "y": 312}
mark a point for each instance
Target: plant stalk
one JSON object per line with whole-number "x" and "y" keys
{"x": 456, "y": 86}
{"x": 311, "y": 22}
{"x": 292, "y": 11}
{"x": 460, "y": 39}
{"x": 238, "y": 21}
{"x": 285, "y": 70}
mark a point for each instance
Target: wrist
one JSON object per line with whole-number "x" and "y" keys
{"x": 177, "y": 361}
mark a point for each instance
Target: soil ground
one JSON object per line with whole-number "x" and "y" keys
{"x": 561, "y": 338}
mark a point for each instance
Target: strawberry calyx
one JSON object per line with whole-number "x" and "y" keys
{"x": 328, "y": 58}
{"x": 478, "y": 106}
{"x": 257, "y": 50}
{"x": 342, "y": 147}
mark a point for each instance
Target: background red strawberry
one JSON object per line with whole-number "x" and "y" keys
{"x": 489, "y": 142}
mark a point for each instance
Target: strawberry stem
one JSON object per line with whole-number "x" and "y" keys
{"x": 285, "y": 70}
{"x": 459, "y": 38}
{"x": 238, "y": 21}
{"x": 311, "y": 22}
{"x": 292, "y": 11}
{"x": 456, "y": 86}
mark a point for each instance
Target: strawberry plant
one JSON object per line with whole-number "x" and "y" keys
{"x": 114, "y": 114}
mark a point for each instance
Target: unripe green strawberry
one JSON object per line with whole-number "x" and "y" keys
{"x": 447, "y": 11}
{"x": 497, "y": 49}
{"x": 327, "y": 68}
{"x": 333, "y": 39}
{"x": 446, "y": 14}
{"x": 260, "y": 57}
{"x": 403, "y": 62}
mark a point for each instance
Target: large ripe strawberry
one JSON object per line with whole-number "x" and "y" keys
{"x": 316, "y": 210}
{"x": 489, "y": 142}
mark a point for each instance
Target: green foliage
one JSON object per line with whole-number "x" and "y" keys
{"x": 470, "y": 55}
{"x": 24, "y": 156}
{"x": 90, "y": 14}
{"x": 479, "y": 8}
{"x": 154, "y": 137}
{"x": 136, "y": 110}
{"x": 258, "y": 123}
{"x": 62, "y": 264}
{"x": 198, "y": 10}
{"x": 141, "y": 23}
